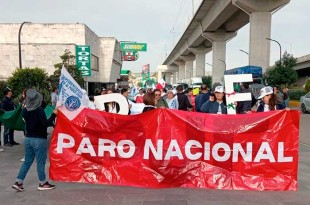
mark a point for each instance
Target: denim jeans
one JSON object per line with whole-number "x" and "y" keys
{"x": 8, "y": 135}
{"x": 34, "y": 148}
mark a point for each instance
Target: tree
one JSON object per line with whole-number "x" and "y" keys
{"x": 282, "y": 73}
{"x": 29, "y": 78}
{"x": 68, "y": 60}
{"x": 207, "y": 80}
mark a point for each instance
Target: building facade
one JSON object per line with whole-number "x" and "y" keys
{"x": 42, "y": 44}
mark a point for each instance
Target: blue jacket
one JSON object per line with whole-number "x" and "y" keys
{"x": 201, "y": 99}
{"x": 261, "y": 107}
{"x": 212, "y": 107}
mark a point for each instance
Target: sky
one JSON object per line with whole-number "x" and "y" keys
{"x": 160, "y": 24}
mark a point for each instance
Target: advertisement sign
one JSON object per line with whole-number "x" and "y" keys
{"x": 171, "y": 148}
{"x": 83, "y": 57}
{"x": 133, "y": 46}
{"x": 130, "y": 55}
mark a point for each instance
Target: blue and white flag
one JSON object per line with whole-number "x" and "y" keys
{"x": 71, "y": 97}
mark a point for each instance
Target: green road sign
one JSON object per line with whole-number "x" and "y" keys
{"x": 83, "y": 56}
{"x": 132, "y": 46}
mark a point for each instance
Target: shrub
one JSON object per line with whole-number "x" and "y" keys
{"x": 296, "y": 94}
{"x": 307, "y": 85}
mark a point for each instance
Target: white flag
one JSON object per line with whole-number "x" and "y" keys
{"x": 71, "y": 98}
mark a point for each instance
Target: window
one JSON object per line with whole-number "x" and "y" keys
{"x": 94, "y": 62}
{"x": 308, "y": 95}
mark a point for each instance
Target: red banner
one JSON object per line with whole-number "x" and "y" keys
{"x": 170, "y": 148}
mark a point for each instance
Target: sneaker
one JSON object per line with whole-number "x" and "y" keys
{"x": 22, "y": 159}
{"x": 18, "y": 187}
{"x": 45, "y": 186}
{"x": 15, "y": 143}
{"x": 1, "y": 149}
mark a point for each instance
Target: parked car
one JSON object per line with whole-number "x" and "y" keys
{"x": 305, "y": 103}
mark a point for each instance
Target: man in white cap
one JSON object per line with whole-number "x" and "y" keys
{"x": 217, "y": 106}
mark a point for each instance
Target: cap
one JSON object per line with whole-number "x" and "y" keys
{"x": 219, "y": 89}
{"x": 265, "y": 91}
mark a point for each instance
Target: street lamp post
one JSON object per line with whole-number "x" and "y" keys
{"x": 269, "y": 39}
{"x": 223, "y": 62}
{"x": 19, "y": 44}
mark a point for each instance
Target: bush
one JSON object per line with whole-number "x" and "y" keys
{"x": 28, "y": 78}
{"x": 296, "y": 94}
{"x": 307, "y": 85}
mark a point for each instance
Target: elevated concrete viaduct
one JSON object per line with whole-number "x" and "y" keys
{"x": 213, "y": 25}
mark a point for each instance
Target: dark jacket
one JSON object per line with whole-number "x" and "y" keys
{"x": 148, "y": 108}
{"x": 7, "y": 104}
{"x": 200, "y": 99}
{"x": 261, "y": 107}
{"x": 212, "y": 107}
{"x": 183, "y": 102}
{"x": 245, "y": 106}
{"x": 36, "y": 122}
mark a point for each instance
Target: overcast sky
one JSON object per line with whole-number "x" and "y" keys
{"x": 160, "y": 24}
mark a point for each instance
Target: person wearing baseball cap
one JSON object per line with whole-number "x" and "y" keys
{"x": 269, "y": 100}
{"x": 218, "y": 105}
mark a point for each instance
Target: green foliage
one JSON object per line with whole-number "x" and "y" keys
{"x": 3, "y": 84}
{"x": 28, "y": 78}
{"x": 207, "y": 80}
{"x": 296, "y": 94}
{"x": 68, "y": 60}
{"x": 282, "y": 73}
{"x": 307, "y": 85}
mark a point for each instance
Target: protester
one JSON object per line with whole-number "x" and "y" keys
{"x": 124, "y": 92}
{"x": 285, "y": 96}
{"x": 278, "y": 94}
{"x": 269, "y": 100}
{"x": 103, "y": 91}
{"x": 91, "y": 102}
{"x": 8, "y": 105}
{"x": 111, "y": 107}
{"x": 149, "y": 101}
{"x": 54, "y": 96}
{"x": 202, "y": 97}
{"x": 218, "y": 105}
{"x": 183, "y": 101}
{"x": 172, "y": 100}
{"x": 139, "y": 96}
{"x": 244, "y": 107}
{"x": 191, "y": 97}
{"x": 35, "y": 141}
{"x": 160, "y": 102}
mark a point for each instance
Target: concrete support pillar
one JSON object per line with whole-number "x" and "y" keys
{"x": 174, "y": 78}
{"x": 260, "y": 12}
{"x": 189, "y": 65}
{"x": 218, "y": 39}
{"x": 200, "y": 53}
{"x": 181, "y": 73}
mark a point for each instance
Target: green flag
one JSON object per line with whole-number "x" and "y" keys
{"x": 13, "y": 119}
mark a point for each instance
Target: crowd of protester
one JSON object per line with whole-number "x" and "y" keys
{"x": 208, "y": 100}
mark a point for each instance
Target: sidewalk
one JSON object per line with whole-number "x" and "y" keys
{"x": 77, "y": 193}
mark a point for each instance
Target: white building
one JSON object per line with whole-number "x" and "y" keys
{"x": 42, "y": 44}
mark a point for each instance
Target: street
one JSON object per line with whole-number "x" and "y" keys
{"x": 76, "y": 193}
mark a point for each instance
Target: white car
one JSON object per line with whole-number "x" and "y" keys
{"x": 305, "y": 103}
